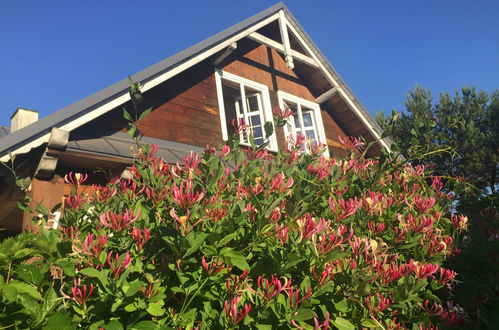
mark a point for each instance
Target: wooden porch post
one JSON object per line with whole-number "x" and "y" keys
{"x": 48, "y": 193}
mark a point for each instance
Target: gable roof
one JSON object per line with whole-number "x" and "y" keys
{"x": 91, "y": 107}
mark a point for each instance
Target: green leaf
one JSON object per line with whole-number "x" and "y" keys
{"x": 114, "y": 325}
{"x": 126, "y": 115}
{"x": 226, "y": 239}
{"x": 23, "y": 253}
{"x": 134, "y": 287}
{"x": 269, "y": 129}
{"x": 343, "y": 324}
{"x": 116, "y": 304}
{"x": 341, "y": 305}
{"x": 236, "y": 258}
{"x": 155, "y": 309}
{"x": 61, "y": 320}
{"x": 67, "y": 266}
{"x": 263, "y": 326}
{"x": 368, "y": 323}
{"x": 304, "y": 314}
{"x": 144, "y": 325}
{"x": 145, "y": 113}
{"x": 22, "y": 287}
{"x": 10, "y": 293}
{"x": 92, "y": 272}
{"x": 195, "y": 240}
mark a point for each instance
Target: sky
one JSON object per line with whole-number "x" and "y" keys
{"x": 53, "y": 53}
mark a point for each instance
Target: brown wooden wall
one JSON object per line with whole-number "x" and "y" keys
{"x": 186, "y": 106}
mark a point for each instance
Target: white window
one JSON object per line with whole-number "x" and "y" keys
{"x": 243, "y": 99}
{"x": 306, "y": 119}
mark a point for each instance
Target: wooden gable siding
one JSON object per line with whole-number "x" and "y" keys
{"x": 186, "y": 106}
{"x": 185, "y": 110}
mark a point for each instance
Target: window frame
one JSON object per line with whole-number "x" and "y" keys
{"x": 265, "y": 112}
{"x": 316, "y": 117}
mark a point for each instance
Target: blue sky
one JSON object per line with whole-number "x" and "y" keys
{"x": 54, "y": 53}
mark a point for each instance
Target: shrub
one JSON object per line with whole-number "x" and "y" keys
{"x": 236, "y": 238}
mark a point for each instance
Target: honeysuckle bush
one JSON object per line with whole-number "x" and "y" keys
{"x": 238, "y": 238}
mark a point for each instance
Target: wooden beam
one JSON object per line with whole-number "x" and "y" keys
{"x": 57, "y": 141}
{"x": 288, "y": 56}
{"x": 232, "y": 47}
{"x": 280, "y": 48}
{"x": 326, "y": 95}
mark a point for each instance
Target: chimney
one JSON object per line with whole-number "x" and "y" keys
{"x": 21, "y": 118}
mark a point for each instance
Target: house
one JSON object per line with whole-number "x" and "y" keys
{"x": 264, "y": 62}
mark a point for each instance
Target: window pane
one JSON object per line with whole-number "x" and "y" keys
{"x": 297, "y": 121}
{"x": 257, "y": 132}
{"x": 310, "y": 134}
{"x": 255, "y": 120}
{"x": 253, "y": 103}
{"x": 292, "y": 106}
{"x": 307, "y": 119}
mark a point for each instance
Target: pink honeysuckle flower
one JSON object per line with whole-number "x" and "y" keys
{"x": 322, "y": 169}
{"x": 276, "y": 184}
{"x": 268, "y": 289}
{"x": 70, "y": 232}
{"x": 235, "y": 315}
{"x": 322, "y": 326}
{"x": 307, "y": 226}
{"x": 351, "y": 142}
{"x": 225, "y": 151}
{"x": 131, "y": 189}
{"x": 460, "y": 222}
{"x": 74, "y": 202}
{"x": 400, "y": 234}
{"x": 75, "y": 179}
{"x": 80, "y": 292}
{"x": 116, "y": 267}
{"x": 423, "y": 204}
{"x": 209, "y": 150}
{"x": 120, "y": 221}
{"x": 417, "y": 224}
{"x": 326, "y": 241}
{"x": 437, "y": 184}
{"x": 240, "y": 126}
{"x": 376, "y": 228}
{"x": 293, "y": 295}
{"x": 326, "y": 275}
{"x": 282, "y": 114}
{"x": 184, "y": 221}
{"x": 423, "y": 270}
{"x": 431, "y": 308}
{"x": 343, "y": 209}
{"x": 184, "y": 195}
{"x": 191, "y": 163}
{"x": 446, "y": 276}
{"x": 139, "y": 238}
{"x": 281, "y": 232}
{"x": 157, "y": 196}
{"x": 94, "y": 245}
{"x": 102, "y": 193}
{"x": 359, "y": 245}
{"x": 378, "y": 303}
{"x": 392, "y": 272}
{"x": 214, "y": 267}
